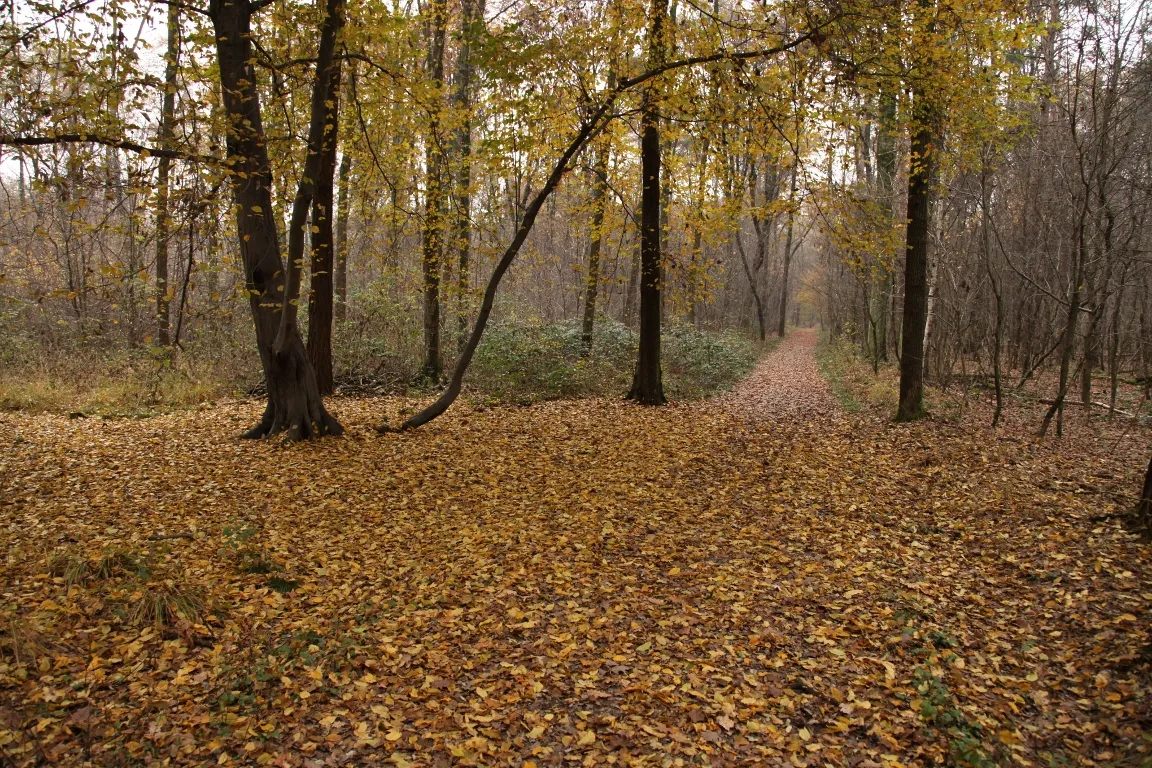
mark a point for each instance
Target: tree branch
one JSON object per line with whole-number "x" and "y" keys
{"x": 130, "y": 146}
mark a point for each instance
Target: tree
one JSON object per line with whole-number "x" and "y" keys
{"x": 1144, "y": 507}
{"x": 433, "y": 247}
{"x": 295, "y": 405}
{"x": 163, "y": 215}
{"x": 595, "y": 241}
{"x": 647, "y": 384}
{"x": 920, "y": 179}
{"x": 320, "y": 314}
{"x": 471, "y": 21}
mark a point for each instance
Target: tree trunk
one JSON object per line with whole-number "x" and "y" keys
{"x": 592, "y": 279}
{"x": 886, "y": 176}
{"x": 752, "y": 280}
{"x": 916, "y": 263}
{"x": 1144, "y": 508}
{"x": 696, "y": 268}
{"x": 433, "y": 250}
{"x": 1114, "y": 345}
{"x": 788, "y": 251}
{"x": 647, "y": 384}
{"x": 320, "y": 297}
{"x": 997, "y": 288}
{"x": 341, "y": 271}
{"x": 630, "y": 290}
{"x": 1069, "y": 338}
{"x": 294, "y": 405}
{"x": 163, "y": 217}
{"x": 471, "y": 15}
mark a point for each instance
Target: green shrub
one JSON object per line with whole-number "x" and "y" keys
{"x": 523, "y": 362}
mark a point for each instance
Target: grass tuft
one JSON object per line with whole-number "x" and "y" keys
{"x": 164, "y": 604}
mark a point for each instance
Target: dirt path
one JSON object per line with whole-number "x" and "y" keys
{"x": 787, "y": 385}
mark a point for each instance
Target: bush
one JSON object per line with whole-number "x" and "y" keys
{"x": 698, "y": 363}
{"x": 523, "y": 362}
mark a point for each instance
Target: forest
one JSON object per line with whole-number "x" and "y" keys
{"x": 612, "y": 382}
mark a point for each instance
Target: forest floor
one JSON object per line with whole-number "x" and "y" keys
{"x": 760, "y": 579}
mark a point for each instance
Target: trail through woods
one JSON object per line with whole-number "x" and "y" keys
{"x": 786, "y": 386}
{"x": 576, "y": 582}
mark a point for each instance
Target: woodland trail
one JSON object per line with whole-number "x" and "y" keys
{"x": 586, "y": 582}
{"x": 787, "y": 384}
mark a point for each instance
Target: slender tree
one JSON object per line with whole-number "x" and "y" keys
{"x": 433, "y": 246}
{"x": 471, "y": 19}
{"x": 163, "y": 176}
{"x": 595, "y": 240}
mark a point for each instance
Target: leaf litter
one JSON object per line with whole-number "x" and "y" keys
{"x": 758, "y": 580}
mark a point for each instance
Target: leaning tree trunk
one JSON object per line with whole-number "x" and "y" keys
{"x": 320, "y": 312}
{"x": 294, "y": 405}
{"x": 916, "y": 264}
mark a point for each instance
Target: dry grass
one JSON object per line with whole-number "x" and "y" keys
{"x": 164, "y": 604}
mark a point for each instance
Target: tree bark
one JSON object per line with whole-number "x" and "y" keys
{"x": 433, "y": 249}
{"x": 163, "y": 216}
{"x": 471, "y": 15}
{"x": 320, "y": 310}
{"x": 1144, "y": 508}
{"x": 1068, "y": 341}
{"x": 788, "y": 251}
{"x": 886, "y": 176}
{"x": 647, "y": 383}
{"x": 997, "y": 287}
{"x": 341, "y": 271}
{"x": 592, "y": 278}
{"x": 294, "y": 405}
{"x": 916, "y": 262}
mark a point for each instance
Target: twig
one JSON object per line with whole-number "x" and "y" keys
{"x": 167, "y": 536}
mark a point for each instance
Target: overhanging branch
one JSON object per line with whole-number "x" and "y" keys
{"x": 107, "y": 141}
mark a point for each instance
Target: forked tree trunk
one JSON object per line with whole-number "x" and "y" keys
{"x": 320, "y": 297}
{"x": 916, "y": 264}
{"x": 294, "y": 405}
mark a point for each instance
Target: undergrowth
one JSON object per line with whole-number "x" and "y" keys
{"x": 836, "y": 358}
{"x": 858, "y": 387}
{"x": 517, "y": 362}
{"x": 525, "y": 362}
